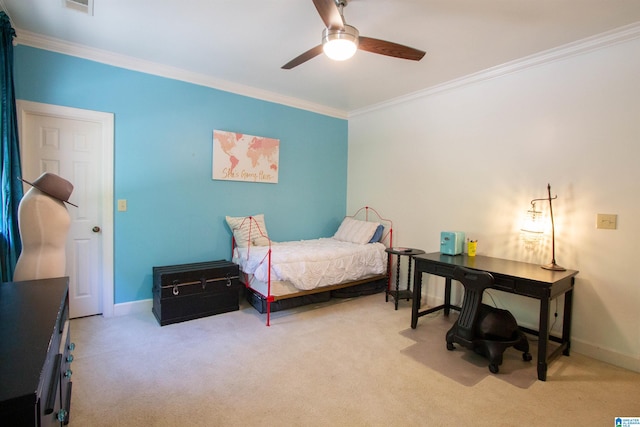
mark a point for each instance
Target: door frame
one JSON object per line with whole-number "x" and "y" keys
{"x": 107, "y": 123}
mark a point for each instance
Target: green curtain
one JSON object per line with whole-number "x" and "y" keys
{"x": 10, "y": 245}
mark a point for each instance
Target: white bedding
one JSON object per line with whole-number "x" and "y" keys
{"x": 309, "y": 264}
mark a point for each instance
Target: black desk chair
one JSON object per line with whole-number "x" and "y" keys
{"x": 487, "y": 330}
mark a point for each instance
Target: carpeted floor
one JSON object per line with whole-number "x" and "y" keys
{"x": 353, "y": 362}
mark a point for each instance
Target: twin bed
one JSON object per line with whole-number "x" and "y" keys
{"x": 281, "y": 275}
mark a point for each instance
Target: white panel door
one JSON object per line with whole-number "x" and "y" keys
{"x": 70, "y": 143}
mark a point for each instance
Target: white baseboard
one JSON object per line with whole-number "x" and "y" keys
{"x": 133, "y": 307}
{"x": 605, "y": 355}
{"x": 598, "y": 353}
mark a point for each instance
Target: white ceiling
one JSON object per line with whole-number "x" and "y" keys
{"x": 243, "y": 43}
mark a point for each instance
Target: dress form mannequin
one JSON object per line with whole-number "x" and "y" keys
{"x": 44, "y": 223}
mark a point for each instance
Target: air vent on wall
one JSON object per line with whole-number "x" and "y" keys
{"x": 84, "y": 6}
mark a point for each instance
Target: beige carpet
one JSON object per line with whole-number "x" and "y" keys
{"x": 349, "y": 362}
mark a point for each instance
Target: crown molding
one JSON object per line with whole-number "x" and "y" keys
{"x": 603, "y": 40}
{"x": 39, "y": 41}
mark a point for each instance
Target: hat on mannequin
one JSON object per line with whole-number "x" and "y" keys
{"x": 53, "y": 185}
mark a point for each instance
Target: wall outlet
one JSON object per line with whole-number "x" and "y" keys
{"x": 606, "y": 221}
{"x": 122, "y": 205}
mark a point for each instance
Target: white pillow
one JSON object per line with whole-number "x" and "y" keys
{"x": 355, "y": 231}
{"x": 248, "y": 231}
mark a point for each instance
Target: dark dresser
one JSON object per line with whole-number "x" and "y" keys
{"x": 35, "y": 353}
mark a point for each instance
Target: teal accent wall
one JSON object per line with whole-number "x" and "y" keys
{"x": 163, "y": 149}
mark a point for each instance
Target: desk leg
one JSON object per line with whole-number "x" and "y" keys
{"x": 417, "y": 295}
{"x": 543, "y": 339}
{"x": 566, "y": 321}
{"x": 447, "y": 296}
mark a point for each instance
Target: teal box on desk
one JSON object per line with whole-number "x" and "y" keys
{"x": 451, "y": 242}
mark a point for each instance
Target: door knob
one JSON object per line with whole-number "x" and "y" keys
{"x": 96, "y": 229}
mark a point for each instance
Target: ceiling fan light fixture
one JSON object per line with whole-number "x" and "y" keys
{"x": 341, "y": 41}
{"x": 340, "y": 44}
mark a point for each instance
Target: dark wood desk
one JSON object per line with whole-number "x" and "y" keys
{"x": 516, "y": 277}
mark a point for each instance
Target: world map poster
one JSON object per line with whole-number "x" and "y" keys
{"x": 241, "y": 157}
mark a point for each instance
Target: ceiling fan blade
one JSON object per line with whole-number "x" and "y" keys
{"x": 383, "y": 47}
{"x": 329, "y": 13}
{"x": 311, "y": 53}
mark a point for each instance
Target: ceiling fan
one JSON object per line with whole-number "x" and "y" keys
{"x": 340, "y": 41}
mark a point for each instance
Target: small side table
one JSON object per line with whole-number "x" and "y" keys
{"x": 398, "y": 293}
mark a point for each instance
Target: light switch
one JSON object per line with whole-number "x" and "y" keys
{"x": 122, "y": 205}
{"x": 606, "y": 221}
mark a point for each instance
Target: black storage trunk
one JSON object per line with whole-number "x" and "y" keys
{"x": 190, "y": 291}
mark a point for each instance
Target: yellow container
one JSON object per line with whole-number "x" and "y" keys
{"x": 472, "y": 245}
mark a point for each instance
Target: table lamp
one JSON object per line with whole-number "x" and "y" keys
{"x": 534, "y": 225}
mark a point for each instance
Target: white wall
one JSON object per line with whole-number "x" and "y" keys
{"x": 472, "y": 158}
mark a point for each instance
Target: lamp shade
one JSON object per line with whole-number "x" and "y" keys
{"x": 532, "y": 227}
{"x": 340, "y": 44}
{"x": 533, "y": 221}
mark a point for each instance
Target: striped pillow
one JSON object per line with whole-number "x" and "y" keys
{"x": 356, "y": 231}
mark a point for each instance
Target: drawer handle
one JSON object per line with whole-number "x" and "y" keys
{"x": 176, "y": 290}
{"x": 70, "y": 358}
{"x": 62, "y": 415}
{"x": 67, "y": 373}
{"x": 72, "y": 346}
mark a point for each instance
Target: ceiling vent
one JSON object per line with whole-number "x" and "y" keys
{"x": 84, "y": 6}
